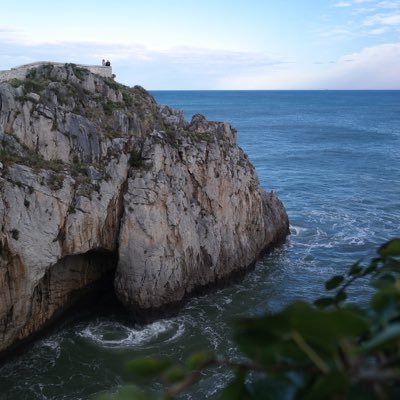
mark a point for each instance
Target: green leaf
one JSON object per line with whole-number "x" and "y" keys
{"x": 340, "y": 297}
{"x": 385, "y": 303}
{"x": 371, "y": 268}
{"x": 385, "y": 338}
{"x": 331, "y": 386}
{"x": 148, "y": 367}
{"x": 390, "y": 249}
{"x": 127, "y": 392}
{"x": 236, "y": 388}
{"x": 355, "y": 269}
{"x": 361, "y": 391}
{"x": 174, "y": 374}
{"x": 272, "y": 388}
{"x": 384, "y": 280}
{"x": 334, "y": 282}
{"x": 268, "y": 339}
{"x": 105, "y": 397}
{"x": 198, "y": 360}
{"x": 324, "y": 302}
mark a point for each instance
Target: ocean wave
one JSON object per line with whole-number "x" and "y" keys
{"x": 51, "y": 346}
{"x": 335, "y": 228}
{"x": 111, "y": 334}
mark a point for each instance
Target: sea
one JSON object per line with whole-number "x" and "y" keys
{"x": 333, "y": 158}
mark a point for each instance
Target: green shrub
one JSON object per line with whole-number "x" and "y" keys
{"x": 109, "y": 107}
{"x": 55, "y": 181}
{"x": 112, "y": 84}
{"x": 135, "y": 159}
{"x": 36, "y": 86}
{"x": 331, "y": 349}
{"x": 78, "y": 168}
{"x": 14, "y": 82}
{"x": 128, "y": 99}
{"x": 30, "y": 158}
{"x": 79, "y": 72}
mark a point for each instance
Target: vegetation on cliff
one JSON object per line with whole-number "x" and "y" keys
{"x": 86, "y": 109}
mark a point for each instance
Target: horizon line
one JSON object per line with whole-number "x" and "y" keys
{"x": 272, "y": 90}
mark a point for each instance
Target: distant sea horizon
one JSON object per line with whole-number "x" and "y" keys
{"x": 273, "y": 90}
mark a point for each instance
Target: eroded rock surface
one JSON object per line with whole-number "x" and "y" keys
{"x": 92, "y": 172}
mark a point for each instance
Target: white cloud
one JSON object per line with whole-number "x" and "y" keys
{"x": 378, "y": 31}
{"x": 340, "y": 32}
{"x": 179, "y": 67}
{"x": 363, "y": 10}
{"x": 91, "y": 50}
{"x": 389, "y": 4}
{"x": 389, "y": 19}
{"x": 342, "y": 4}
{"x": 373, "y": 67}
{"x": 10, "y": 34}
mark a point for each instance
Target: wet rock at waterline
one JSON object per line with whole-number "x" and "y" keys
{"x": 93, "y": 172}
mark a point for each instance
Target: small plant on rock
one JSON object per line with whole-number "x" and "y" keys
{"x": 135, "y": 159}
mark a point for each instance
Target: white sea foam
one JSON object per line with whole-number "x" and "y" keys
{"x": 178, "y": 333}
{"x": 297, "y": 230}
{"x": 52, "y": 347}
{"x": 213, "y": 337}
{"x": 117, "y": 335}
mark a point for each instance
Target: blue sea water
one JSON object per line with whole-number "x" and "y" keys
{"x": 333, "y": 157}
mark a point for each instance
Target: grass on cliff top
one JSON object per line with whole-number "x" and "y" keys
{"x": 138, "y": 105}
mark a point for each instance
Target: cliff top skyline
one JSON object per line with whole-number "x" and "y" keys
{"x": 351, "y": 44}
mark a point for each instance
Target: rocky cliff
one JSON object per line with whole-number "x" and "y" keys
{"x": 98, "y": 181}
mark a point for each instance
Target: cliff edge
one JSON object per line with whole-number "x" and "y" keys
{"x": 98, "y": 182}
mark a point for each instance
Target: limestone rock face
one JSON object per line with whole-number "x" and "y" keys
{"x": 193, "y": 215}
{"x": 92, "y": 172}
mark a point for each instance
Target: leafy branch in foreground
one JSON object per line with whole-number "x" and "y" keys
{"x": 331, "y": 349}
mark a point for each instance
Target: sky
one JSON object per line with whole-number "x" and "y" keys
{"x": 213, "y": 44}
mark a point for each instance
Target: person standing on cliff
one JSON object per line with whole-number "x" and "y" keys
{"x": 103, "y": 62}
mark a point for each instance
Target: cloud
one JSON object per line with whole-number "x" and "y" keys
{"x": 178, "y": 67}
{"x": 389, "y": 4}
{"x": 339, "y": 32}
{"x": 17, "y": 36}
{"x": 378, "y": 31}
{"x": 363, "y": 10}
{"x": 342, "y": 4}
{"x": 388, "y": 19}
{"x": 373, "y": 67}
{"x": 193, "y": 68}
{"x": 365, "y": 19}
{"x": 10, "y": 34}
